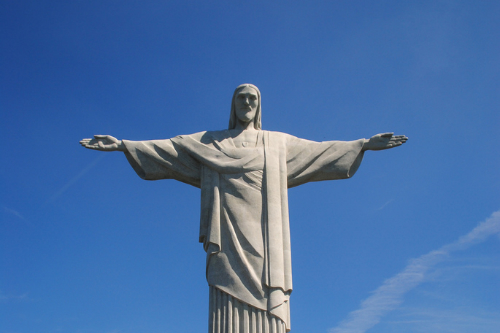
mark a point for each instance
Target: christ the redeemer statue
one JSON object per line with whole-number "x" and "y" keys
{"x": 244, "y": 173}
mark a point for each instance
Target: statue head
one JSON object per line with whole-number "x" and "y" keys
{"x": 244, "y": 94}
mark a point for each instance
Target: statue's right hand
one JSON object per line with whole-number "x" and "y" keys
{"x": 103, "y": 143}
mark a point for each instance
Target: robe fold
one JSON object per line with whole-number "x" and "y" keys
{"x": 244, "y": 225}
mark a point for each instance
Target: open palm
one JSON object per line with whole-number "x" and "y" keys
{"x": 103, "y": 143}
{"x": 384, "y": 141}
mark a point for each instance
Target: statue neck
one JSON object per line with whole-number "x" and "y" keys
{"x": 242, "y": 126}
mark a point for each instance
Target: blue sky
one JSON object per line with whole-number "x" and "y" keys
{"x": 410, "y": 244}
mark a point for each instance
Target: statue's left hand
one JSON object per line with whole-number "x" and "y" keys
{"x": 384, "y": 141}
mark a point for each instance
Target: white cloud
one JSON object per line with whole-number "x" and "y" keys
{"x": 390, "y": 294}
{"x": 13, "y": 212}
{"x": 6, "y": 298}
{"x": 461, "y": 320}
{"x": 383, "y": 206}
{"x": 18, "y": 215}
{"x": 74, "y": 179}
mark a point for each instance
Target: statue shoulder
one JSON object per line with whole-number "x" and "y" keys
{"x": 210, "y": 136}
{"x": 281, "y": 136}
{"x": 197, "y": 135}
{"x": 205, "y": 137}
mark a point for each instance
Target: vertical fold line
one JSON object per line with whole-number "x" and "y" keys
{"x": 236, "y": 317}
{"x": 254, "y": 321}
{"x": 211, "y": 309}
{"x": 225, "y": 312}
{"x": 229, "y": 322}
{"x": 259, "y": 322}
{"x": 246, "y": 319}
{"x": 218, "y": 309}
{"x": 266, "y": 322}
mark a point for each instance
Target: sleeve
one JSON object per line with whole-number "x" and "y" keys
{"x": 162, "y": 159}
{"x": 310, "y": 161}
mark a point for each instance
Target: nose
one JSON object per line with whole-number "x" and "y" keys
{"x": 246, "y": 101}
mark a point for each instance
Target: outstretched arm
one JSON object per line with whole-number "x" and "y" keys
{"x": 384, "y": 141}
{"x": 103, "y": 143}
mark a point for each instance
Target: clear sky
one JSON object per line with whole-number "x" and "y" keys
{"x": 409, "y": 244}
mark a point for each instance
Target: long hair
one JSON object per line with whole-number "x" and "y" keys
{"x": 257, "y": 123}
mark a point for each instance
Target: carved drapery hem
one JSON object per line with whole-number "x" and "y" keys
{"x": 229, "y": 315}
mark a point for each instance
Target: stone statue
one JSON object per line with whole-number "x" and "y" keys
{"x": 244, "y": 173}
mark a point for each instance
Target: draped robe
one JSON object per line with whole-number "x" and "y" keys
{"x": 244, "y": 225}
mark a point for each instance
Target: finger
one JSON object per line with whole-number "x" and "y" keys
{"x": 387, "y": 135}
{"x": 99, "y": 136}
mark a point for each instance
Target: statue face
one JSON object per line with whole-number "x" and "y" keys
{"x": 246, "y": 103}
